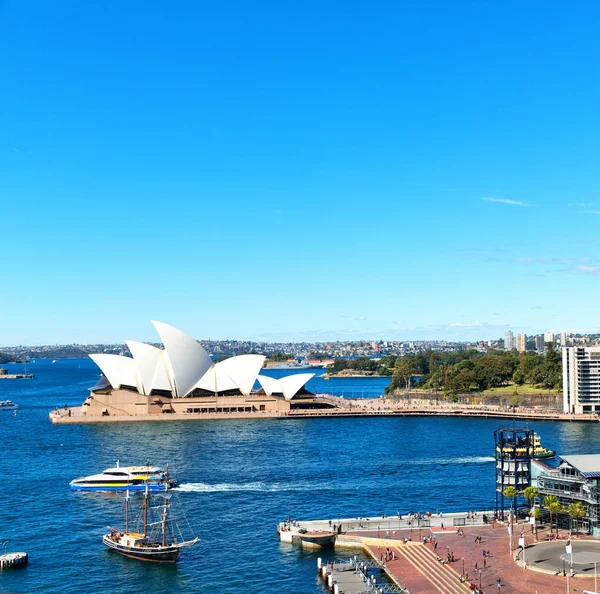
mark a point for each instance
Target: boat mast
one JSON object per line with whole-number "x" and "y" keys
{"x": 127, "y": 512}
{"x": 164, "y": 519}
{"x": 146, "y": 509}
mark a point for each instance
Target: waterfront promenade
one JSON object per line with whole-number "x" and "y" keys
{"x": 343, "y": 407}
{"x": 420, "y": 559}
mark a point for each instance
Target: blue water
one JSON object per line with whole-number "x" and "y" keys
{"x": 239, "y": 479}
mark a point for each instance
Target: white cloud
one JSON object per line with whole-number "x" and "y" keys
{"x": 592, "y": 270}
{"x": 505, "y": 201}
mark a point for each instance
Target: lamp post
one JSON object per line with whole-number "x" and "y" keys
{"x": 463, "y": 563}
{"x": 595, "y": 584}
{"x": 480, "y": 572}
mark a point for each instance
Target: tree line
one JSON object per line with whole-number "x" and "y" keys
{"x": 383, "y": 366}
{"x": 472, "y": 371}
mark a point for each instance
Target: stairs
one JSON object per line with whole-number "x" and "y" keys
{"x": 442, "y": 577}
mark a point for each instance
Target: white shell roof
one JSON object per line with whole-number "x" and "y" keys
{"x": 184, "y": 366}
{"x": 215, "y": 380}
{"x": 151, "y": 366}
{"x": 243, "y": 370}
{"x": 119, "y": 370}
{"x": 270, "y": 385}
{"x": 289, "y": 385}
{"x": 189, "y": 361}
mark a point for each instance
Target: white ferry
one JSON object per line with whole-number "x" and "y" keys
{"x": 7, "y": 405}
{"x": 122, "y": 478}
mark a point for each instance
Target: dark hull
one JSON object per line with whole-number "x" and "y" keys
{"x": 158, "y": 554}
{"x": 318, "y": 539}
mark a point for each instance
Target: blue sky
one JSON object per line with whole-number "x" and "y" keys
{"x": 298, "y": 170}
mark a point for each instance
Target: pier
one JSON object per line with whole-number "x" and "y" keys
{"x": 9, "y": 560}
{"x": 448, "y": 554}
{"x": 356, "y": 576}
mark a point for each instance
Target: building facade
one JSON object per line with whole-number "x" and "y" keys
{"x": 539, "y": 343}
{"x": 509, "y": 341}
{"x": 581, "y": 379}
{"x": 521, "y": 343}
{"x": 549, "y": 337}
{"x": 575, "y": 481}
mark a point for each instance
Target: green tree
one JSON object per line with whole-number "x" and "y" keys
{"x": 553, "y": 505}
{"x": 405, "y": 369}
{"x": 577, "y": 511}
{"x": 530, "y": 493}
{"x": 511, "y": 493}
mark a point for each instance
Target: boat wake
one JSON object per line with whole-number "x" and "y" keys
{"x": 257, "y": 486}
{"x": 461, "y": 460}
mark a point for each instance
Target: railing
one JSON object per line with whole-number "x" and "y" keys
{"x": 591, "y": 498}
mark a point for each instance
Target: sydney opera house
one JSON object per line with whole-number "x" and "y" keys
{"x": 182, "y": 381}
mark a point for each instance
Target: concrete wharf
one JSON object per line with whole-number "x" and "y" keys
{"x": 343, "y": 408}
{"x": 464, "y": 555}
{"x": 17, "y": 376}
{"x": 9, "y": 560}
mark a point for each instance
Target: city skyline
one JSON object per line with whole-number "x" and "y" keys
{"x": 298, "y": 172}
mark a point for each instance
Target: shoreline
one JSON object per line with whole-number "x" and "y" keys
{"x": 371, "y": 407}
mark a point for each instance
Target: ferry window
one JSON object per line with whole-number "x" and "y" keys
{"x": 262, "y": 407}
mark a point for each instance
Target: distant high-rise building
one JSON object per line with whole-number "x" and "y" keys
{"x": 539, "y": 342}
{"x": 549, "y": 337}
{"x": 563, "y": 338}
{"x": 581, "y": 379}
{"x": 509, "y": 341}
{"x": 521, "y": 343}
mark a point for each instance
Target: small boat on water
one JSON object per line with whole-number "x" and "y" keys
{"x": 7, "y": 405}
{"x": 317, "y": 538}
{"x": 158, "y": 541}
{"x": 537, "y": 450}
{"x": 126, "y": 478}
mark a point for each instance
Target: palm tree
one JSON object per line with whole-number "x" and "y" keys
{"x": 512, "y": 494}
{"x": 549, "y": 504}
{"x": 577, "y": 511}
{"x": 530, "y": 493}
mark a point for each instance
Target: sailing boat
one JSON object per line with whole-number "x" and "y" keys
{"x": 158, "y": 541}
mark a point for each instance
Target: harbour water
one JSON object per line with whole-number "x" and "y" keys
{"x": 239, "y": 479}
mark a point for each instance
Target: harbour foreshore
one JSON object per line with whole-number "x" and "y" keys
{"x": 342, "y": 407}
{"x": 453, "y": 554}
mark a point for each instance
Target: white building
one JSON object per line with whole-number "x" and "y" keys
{"x": 563, "y": 338}
{"x": 549, "y": 337}
{"x": 509, "y": 341}
{"x": 581, "y": 379}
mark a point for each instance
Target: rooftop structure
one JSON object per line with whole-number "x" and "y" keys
{"x": 183, "y": 380}
{"x": 185, "y": 369}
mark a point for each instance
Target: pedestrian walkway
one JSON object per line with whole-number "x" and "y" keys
{"x": 442, "y": 576}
